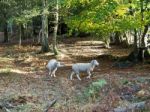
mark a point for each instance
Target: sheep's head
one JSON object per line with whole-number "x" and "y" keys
{"x": 95, "y": 62}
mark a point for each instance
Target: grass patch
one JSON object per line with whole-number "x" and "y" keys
{"x": 91, "y": 93}
{"x": 6, "y": 70}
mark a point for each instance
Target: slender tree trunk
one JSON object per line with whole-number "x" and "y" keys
{"x": 143, "y": 43}
{"x": 142, "y": 40}
{"x": 55, "y": 30}
{"x": 20, "y": 35}
{"x": 108, "y": 43}
{"x": 11, "y": 28}
{"x": 136, "y": 49}
{"x": 32, "y": 30}
{"x": 117, "y": 38}
{"x": 45, "y": 45}
{"x": 22, "y": 32}
{"x": 127, "y": 38}
{"x": 39, "y": 37}
{"x": 135, "y": 39}
{"x": 5, "y": 32}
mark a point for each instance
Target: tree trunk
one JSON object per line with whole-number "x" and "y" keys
{"x": 143, "y": 42}
{"x": 117, "y": 38}
{"x": 22, "y": 32}
{"x": 5, "y": 32}
{"x": 20, "y": 35}
{"x": 32, "y": 30}
{"x": 55, "y": 30}
{"x": 138, "y": 53}
{"x": 11, "y": 28}
{"x": 40, "y": 37}
{"x": 135, "y": 39}
{"x": 45, "y": 45}
{"x": 136, "y": 49}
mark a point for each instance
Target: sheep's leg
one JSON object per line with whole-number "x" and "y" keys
{"x": 89, "y": 75}
{"x": 53, "y": 73}
{"x": 78, "y": 76}
{"x": 72, "y": 73}
{"x": 49, "y": 73}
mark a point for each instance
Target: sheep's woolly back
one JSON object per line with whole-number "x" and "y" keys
{"x": 52, "y": 64}
{"x": 83, "y": 67}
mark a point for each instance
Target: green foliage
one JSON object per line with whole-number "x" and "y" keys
{"x": 94, "y": 87}
{"x": 91, "y": 92}
{"x": 101, "y": 18}
{"x": 92, "y": 17}
{"x": 26, "y": 16}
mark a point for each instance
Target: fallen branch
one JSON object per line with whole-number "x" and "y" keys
{"x": 50, "y": 104}
{"x": 133, "y": 106}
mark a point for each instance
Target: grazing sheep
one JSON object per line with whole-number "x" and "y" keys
{"x": 83, "y": 67}
{"x": 52, "y": 66}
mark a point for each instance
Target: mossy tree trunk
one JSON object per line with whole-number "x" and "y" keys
{"x": 55, "y": 50}
{"x": 45, "y": 45}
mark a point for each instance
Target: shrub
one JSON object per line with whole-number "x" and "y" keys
{"x": 91, "y": 92}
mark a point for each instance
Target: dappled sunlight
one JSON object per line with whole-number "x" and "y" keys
{"x": 5, "y": 59}
{"x": 12, "y": 70}
{"x": 90, "y": 42}
{"x": 119, "y": 51}
{"x": 74, "y": 55}
{"x": 83, "y": 48}
{"x": 24, "y": 73}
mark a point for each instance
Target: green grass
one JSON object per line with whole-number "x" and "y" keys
{"x": 91, "y": 92}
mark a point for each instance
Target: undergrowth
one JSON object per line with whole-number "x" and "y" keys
{"x": 91, "y": 93}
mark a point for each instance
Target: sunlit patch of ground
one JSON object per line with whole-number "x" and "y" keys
{"x": 23, "y": 73}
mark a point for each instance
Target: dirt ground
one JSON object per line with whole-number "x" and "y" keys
{"x": 23, "y": 80}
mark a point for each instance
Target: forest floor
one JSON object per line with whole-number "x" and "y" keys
{"x": 24, "y": 85}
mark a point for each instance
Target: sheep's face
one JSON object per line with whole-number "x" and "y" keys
{"x": 95, "y": 62}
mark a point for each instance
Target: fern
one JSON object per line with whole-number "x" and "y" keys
{"x": 91, "y": 92}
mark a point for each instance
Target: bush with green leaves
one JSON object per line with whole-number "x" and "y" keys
{"x": 91, "y": 92}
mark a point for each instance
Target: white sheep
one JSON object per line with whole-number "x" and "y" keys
{"x": 52, "y": 66}
{"x": 83, "y": 67}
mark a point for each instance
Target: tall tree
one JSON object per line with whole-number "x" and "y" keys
{"x": 45, "y": 45}
{"x": 6, "y": 11}
{"x": 56, "y": 17}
